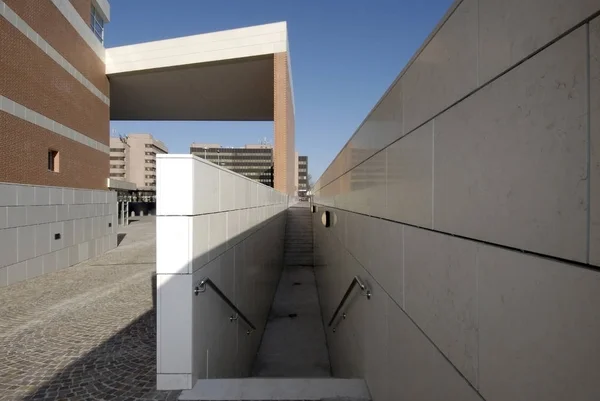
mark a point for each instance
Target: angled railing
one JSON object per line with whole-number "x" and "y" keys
{"x": 363, "y": 288}
{"x": 201, "y": 287}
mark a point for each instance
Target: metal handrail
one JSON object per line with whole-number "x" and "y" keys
{"x": 201, "y": 287}
{"x": 355, "y": 281}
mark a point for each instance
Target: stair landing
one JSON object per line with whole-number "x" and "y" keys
{"x": 278, "y": 389}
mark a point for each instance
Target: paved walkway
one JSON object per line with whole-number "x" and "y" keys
{"x": 86, "y": 332}
{"x": 294, "y": 343}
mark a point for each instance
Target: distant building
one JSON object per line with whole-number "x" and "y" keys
{"x": 252, "y": 161}
{"x": 133, "y": 159}
{"x": 303, "y": 184}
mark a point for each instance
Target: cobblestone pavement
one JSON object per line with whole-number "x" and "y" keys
{"x": 87, "y": 332}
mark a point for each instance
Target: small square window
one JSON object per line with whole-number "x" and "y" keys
{"x": 53, "y": 160}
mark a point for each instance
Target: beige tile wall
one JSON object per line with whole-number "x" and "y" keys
{"x": 481, "y": 242}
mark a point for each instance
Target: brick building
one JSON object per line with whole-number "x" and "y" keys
{"x": 56, "y": 78}
{"x": 133, "y": 159}
{"x": 55, "y": 210}
{"x": 303, "y": 184}
{"x": 252, "y": 161}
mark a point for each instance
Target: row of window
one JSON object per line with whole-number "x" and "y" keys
{"x": 122, "y": 150}
{"x": 150, "y": 168}
{"x": 117, "y": 166}
{"x": 150, "y": 153}
{"x": 117, "y": 174}
{"x": 150, "y": 176}
{"x": 97, "y": 24}
{"x": 117, "y": 158}
{"x": 150, "y": 184}
{"x": 201, "y": 153}
{"x": 150, "y": 161}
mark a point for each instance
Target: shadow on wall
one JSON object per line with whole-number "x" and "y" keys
{"x": 125, "y": 365}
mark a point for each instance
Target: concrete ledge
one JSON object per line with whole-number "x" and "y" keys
{"x": 278, "y": 389}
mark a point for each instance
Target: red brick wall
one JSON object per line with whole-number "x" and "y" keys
{"x": 83, "y": 8}
{"x": 31, "y": 78}
{"x": 284, "y": 149}
{"x": 44, "y": 18}
{"x": 24, "y": 147}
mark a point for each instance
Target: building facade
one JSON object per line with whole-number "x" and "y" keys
{"x": 252, "y": 161}
{"x": 56, "y": 104}
{"x": 55, "y": 210}
{"x": 303, "y": 184}
{"x": 133, "y": 159}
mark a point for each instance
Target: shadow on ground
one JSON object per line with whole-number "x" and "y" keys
{"x": 120, "y": 238}
{"x": 121, "y": 368}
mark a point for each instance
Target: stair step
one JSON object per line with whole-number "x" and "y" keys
{"x": 278, "y": 389}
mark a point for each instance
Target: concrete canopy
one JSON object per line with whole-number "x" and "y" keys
{"x": 225, "y": 76}
{"x": 237, "y": 75}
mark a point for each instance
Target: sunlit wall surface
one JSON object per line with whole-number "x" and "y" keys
{"x": 213, "y": 223}
{"x": 469, "y": 201}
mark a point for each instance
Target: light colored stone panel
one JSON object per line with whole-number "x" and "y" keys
{"x": 174, "y": 323}
{"x": 42, "y": 195}
{"x": 56, "y": 196}
{"x": 25, "y": 195}
{"x": 200, "y": 232}
{"x": 226, "y": 190}
{"x": 419, "y": 370}
{"x": 35, "y": 267}
{"x": 382, "y": 127}
{"x": 50, "y": 262}
{"x": 42, "y": 239}
{"x": 409, "y": 178}
{"x": 74, "y": 255}
{"x": 8, "y": 246}
{"x": 510, "y": 161}
{"x": 538, "y": 328}
{"x": 445, "y": 70}
{"x": 385, "y": 259}
{"x": 440, "y": 292}
{"x": 16, "y": 273}
{"x": 511, "y": 30}
{"x": 17, "y": 216}
{"x": 8, "y": 195}
{"x": 217, "y": 240}
{"x": 62, "y": 258}
{"x": 594, "y": 257}
{"x": 173, "y": 250}
{"x": 26, "y": 244}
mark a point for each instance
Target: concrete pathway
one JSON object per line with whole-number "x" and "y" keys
{"x": 86, "y": 332}
{"x": 294, "y": 343}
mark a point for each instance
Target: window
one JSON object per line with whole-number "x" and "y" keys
{"x": 53, "y": 160}
{"x": 97, "y": 24}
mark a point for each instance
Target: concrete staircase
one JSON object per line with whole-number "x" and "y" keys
{"x": 293, "y": 361}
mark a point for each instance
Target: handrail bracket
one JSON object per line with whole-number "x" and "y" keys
{"x": 201, "y": 287}
{"x": 356, "y": 281}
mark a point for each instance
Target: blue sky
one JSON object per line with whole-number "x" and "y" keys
{"x": 345, "y": 54}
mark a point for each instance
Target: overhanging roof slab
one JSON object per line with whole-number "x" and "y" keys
{"x": 225, "y": 76}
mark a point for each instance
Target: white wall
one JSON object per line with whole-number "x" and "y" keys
{"x": 31, "y": 216}
{"x": 468, "y": 200}
{"x": 212, "y": 223}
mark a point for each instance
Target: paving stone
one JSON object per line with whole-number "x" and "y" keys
{"x": 86, "y": 332}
